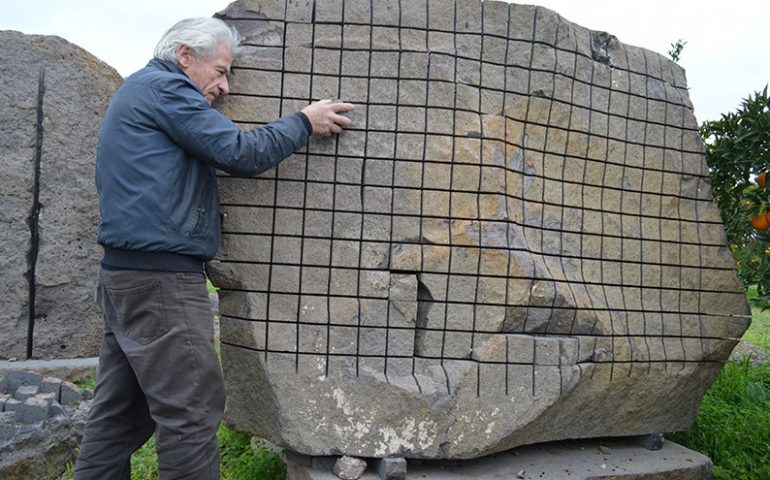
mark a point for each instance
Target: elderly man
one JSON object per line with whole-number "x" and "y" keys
{"x": 158, "y": 151}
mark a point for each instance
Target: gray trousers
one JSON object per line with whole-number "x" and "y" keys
{"x": 158, "y": 373}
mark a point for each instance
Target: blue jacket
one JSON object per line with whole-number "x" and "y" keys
{"x": 156, "y": 160}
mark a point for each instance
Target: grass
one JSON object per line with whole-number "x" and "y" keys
{"x": 733, "y": 423}
{"x": 759, "y": 331}
{"x": 239, "y": 461}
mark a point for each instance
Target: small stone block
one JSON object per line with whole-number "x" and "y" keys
{"x": 50, "y": 385}
{"x": 17, "y": 378}
{"x": 11, "y": 405}
{"x": 3, "y": 382}
{"x": 48, "y": 398}
{"x": 24, "y": 392}
{"x": 69, "y": 394}
{"x": 33, "y": 410}
{"x": 349, "y": 468}
{"x": 391, "y": 468}
{"x": 55, "y": 409}
{"x": 653, "y": 441}
{"x": 7, "y": 426}
{"x": 3, "y": 398}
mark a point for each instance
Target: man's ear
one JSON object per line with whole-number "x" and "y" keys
{"x": 183, "y": 55}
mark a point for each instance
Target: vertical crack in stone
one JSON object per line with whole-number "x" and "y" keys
{"x": 34, "y": 215}
{"x": 424, "y": 304}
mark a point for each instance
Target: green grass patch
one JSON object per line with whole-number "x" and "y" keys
{"x": 238, "y": 460}
{"x": 733, "y": 423}
{"x": 210, "y": 286}
{"x": 241, "y": 461}
{"x": 144, "y": 462}
{"x": 759, "y": 330}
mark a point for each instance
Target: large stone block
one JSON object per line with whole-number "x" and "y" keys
{"x": 53, "y": 95}
{"x": 515, "y": 241}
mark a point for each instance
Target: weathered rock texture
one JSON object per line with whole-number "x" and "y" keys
{"x": 53, "y": 95}
{"x": 41, "y": 423}
{"x": 515, "y": 242}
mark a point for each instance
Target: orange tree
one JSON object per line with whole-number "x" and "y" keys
{"x": 738, "y": 156}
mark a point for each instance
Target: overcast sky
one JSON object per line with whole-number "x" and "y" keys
{"x": 726, "y": 55}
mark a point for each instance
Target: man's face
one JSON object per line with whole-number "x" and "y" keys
{"x": 209, "y": 74}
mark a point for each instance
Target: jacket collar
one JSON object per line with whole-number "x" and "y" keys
{"x": 166, "y": 66}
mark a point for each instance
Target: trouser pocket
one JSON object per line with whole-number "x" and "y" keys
{"x": 139, "y": 310}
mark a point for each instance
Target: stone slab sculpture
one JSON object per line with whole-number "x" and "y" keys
{"x": 53, "y": 96}
{"x": 514, "y": 243}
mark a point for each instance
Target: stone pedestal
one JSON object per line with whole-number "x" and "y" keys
{"x": 610, "y": 459}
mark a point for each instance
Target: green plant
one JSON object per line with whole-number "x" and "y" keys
{"x": 144, "y": 462}
{"x": 759, "y": 330}
{"x": 241, "y": 461}
{"x": 737, "y": 152}
{"x": 676, "y": 49}
{"x": 238, "y": 461}
{"x": 733, "y": 423}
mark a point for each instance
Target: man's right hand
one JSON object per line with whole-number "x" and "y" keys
{"x": 325, "y": 117}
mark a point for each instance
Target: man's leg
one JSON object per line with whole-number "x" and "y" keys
{"x": 168, "y": 338}
{"x": 188, "y": 421}
{"x": 119, "y": 421}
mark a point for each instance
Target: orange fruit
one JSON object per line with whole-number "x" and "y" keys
{"x": 762, "y": 179}
{"x": 760, "y": 222}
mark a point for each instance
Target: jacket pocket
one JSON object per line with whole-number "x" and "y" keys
{"x": 199, "y": 225}
{"x": 140, "y": 311}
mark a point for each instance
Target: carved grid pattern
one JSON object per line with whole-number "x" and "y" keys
{"x": 476, "y": 137}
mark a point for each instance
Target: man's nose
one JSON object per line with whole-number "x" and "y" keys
{"x": 224, "y": 86}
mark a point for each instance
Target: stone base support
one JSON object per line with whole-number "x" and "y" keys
{"x": 595, "y": 459}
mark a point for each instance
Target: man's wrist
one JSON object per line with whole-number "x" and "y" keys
{"x": 306, "y": 122}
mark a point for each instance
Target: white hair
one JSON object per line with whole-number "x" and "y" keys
{"x": 203, "y": 35}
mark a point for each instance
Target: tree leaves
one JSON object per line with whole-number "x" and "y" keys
{"x": 737, "y": 150}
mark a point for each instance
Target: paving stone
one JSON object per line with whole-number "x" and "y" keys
{"x": 391, "y": 468}
{"x": 33, "y": 410}
{"x": 17, "y": 378}
{"x": 7, "y": 426}
{"x": 50, "y": 385}
{"x": 69, "y": 394}
{"x": 55, "y": 408}
{"x": 24, "y": 392}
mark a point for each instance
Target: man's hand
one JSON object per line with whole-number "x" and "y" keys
{"x": 325, "y": 117}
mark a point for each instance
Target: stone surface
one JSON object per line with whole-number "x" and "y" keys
{"x": 24, "y": 392}
{"x": 53, "y": 95}
{"x": 574, "y": 460}
{"x": 69, "y": 394}
{"x": 38, "y": 435}
{"x": 71, "y": 369}
{"x": 20, "y": 378}
{"x": 391, "y": 468}
{"x": 349, "y": 468}
{"x": 515, "y": 242}
{"x": 33, "y": 410}
{"x": 44, "y": 453}
{"x": 7, "y": 425}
